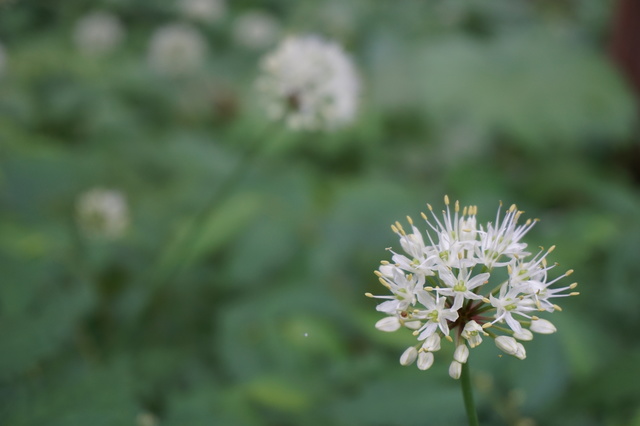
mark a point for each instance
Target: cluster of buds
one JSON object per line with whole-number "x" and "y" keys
{"x": 469, "y": 280}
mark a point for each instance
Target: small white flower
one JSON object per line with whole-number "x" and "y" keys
{"x": 460, "y": 286}
{"x": 425, "y": 360}
{"x": 461, "y": 353}
{"x": 102, "y": 213}
{"x": 310, "y": 83}
{"x": 542, "y": 326}
{"x": 436, "y": 315}
{"x": 206, "y": 11}
{"x": 98, "y": 33}
{"x": 503, "y": 239}
{"x": 255, "y": 29}
{"x": 507, "y": 344}
{"x": 509, "y": 303}
{"x": 432, "y": 343}
{"x": 455, "y": 370}
{"x": 472, "y": 333}
{"x": 408, "y": 356}
{"x": 177, "y": 49}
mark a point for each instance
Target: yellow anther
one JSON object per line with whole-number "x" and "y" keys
{"x": 457, "y": 207}
{"x": 409, "y": 220}
{"x": 446, "y": 200}
{"x": 487, "y": 325}
{"x": 575, "y": 293}
{"x": 535, "y": 318}
{"x": 569, "y": 272}
{"x": 449, "y": 338}
{"x": 557, "y": 308}
{"x": 368, "y": 294}
{"x": 572, "y": 286}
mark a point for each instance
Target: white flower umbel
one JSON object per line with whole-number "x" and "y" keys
{"x": 102, "y": 213}
{"x": 98, "y": 33}
{"x": 256, "y": 30}
{"x": 310, "y": 83}
{"x": 206, "y": 11}
{"x": 470, "y": 279}
{"x": 177, "y": 49}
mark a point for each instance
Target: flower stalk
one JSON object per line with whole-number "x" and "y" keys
{"x": 467, "y": 395}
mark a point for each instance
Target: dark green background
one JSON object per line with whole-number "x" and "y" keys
{"x": 259, "y": 316}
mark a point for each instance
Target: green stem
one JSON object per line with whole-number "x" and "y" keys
{"x": 467, "y": 395}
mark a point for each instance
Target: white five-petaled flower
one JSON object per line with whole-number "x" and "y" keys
{"x": 469, "y": 279}
{"x": 310, "y": 83}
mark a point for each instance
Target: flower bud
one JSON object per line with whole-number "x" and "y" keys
{"x": 542, "y": 326}
{"x": 432, "y": 343}
{"x": 507, "y": 344}
{"x": 425, "y": 360}
{"x": 461, "y": 354}
{"x": 388, "y": 324}
{"x": 524, "y": 335}
{"x": 455, "y": 369}
{"x": 408, "y": 356}
{"x": 520, "y": 352}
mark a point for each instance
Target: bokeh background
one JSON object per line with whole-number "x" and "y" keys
{"x": 233, "y": 292}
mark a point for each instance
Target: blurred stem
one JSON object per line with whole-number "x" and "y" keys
{"x": 467, "y": 395}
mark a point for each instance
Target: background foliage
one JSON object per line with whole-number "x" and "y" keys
{"x": 255, "y": 315}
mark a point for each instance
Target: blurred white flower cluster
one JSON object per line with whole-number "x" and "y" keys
{"x": 98, "y": 33}
{"x": 206, "y": 11}
{"x": 310, "y": 83}
{"x": 256, "y": 29}
{"x": 177, "y": 49}
{"x": 469, "y": 279}
{"x": 102, "y": 213}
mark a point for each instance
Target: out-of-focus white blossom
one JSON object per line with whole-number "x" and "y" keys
{"x": 206, "y": 11}
{"x": 469, "y": 278}
{"x": 102, "y": 213}
{"x": 98, "y": 33}
{"x": 310, "y": 83}
{"x": 177, "y": 49}
{"x": 256, "y": 29}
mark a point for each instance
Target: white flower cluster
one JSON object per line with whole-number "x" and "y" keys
{"x": 310, "y": 83}
{"x": 255, "y": 29}
{"x": 102, "y": 213}
{"x": 177, "y": 50}
{"x": 439, "y": 287}
{"x": 98, "y": 33}
{"x": 206, "y": 11}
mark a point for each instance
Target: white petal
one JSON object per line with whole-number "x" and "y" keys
{"x": 461, "y": 353}
{"x": 520, "y": 352}
{"x": 524, "y": 335}
{"x": 542, "y": 326}
{"x": 408, "y": 356}
{"x": 388, "y": 324}
{"x": 455, "y": 369}
{"x": 425, "y": 360}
